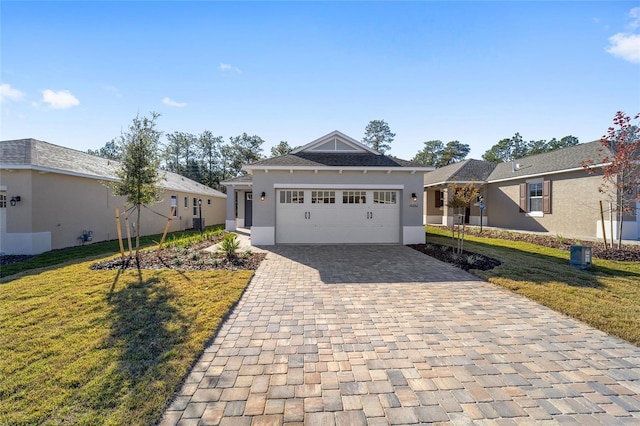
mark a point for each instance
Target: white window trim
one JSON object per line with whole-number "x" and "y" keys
{"x": 529, "y": 213}
{"x": 174, "y": 203}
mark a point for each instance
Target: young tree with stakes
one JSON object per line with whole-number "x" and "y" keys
{"x": 139, "y": 171}
{"x": 460, "y": 198}
{"x": 621, "y": 170}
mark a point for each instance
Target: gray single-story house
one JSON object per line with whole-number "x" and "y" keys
{"x": 550, "y": 192}
{"x": 53, "y": 197}
{"x": 333, "y": 190}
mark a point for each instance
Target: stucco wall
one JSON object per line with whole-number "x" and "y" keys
{"x": 574, "y": 206}
{"x": 18, "y": 183}
{"x": 66, "y": 205}
{"x": 264, "y": 211}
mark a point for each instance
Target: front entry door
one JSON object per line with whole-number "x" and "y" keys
{"x": 248, "y": 209}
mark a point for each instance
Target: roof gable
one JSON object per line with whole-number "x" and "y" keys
{"x": 335, "y": 142}
{"x": 335, "y": 150}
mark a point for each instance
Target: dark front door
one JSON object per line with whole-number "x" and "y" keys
{"x": 248, "y": 209}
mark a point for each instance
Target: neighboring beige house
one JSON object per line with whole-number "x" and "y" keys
{"x": 50, "y": 196}
{"x": 549, "y": 192}
{"x": 333, "y": 190}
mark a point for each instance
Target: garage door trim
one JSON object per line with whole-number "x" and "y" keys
{"x": 334, "y": 186}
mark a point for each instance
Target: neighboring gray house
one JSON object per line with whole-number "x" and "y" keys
{"x": 549, "y": 192}
{"x": 51, "y": 197}
{"x": 332, "y": 190}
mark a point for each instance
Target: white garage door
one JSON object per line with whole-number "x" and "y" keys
{"x": 337, "y": 216}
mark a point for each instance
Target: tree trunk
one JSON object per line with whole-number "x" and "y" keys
{"x": 621, "y": 216}
{"x": 138, "y": 233}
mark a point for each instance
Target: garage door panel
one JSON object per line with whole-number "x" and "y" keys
{"x": 335, "y": 217}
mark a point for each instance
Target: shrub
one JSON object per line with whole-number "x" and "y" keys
{"x": 229, "y": 245}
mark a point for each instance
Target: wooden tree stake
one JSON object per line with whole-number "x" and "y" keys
{"x": 119, "y": 232}
{"x": 126, "y": 222}
{"x": 604, "y": 229}
{"x": 166, "y": 229}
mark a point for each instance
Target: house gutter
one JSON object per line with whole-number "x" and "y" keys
{"x": 386, "y": 169}
{"x": 447, "y": 182}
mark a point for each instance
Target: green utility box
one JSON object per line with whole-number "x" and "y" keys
{"x": 581, "y": 257}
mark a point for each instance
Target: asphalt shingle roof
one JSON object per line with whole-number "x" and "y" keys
{"x": 570, "y": 158}
{"x": 32, "y": 152}
{"x": 464, "y": 171}
{"x": 240, "y": 179}
{"x": 562, "y": 159}
{"x": 330, "y": 159}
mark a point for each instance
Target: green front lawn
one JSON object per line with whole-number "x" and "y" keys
{"x": 57, "y": 257}
{"x": 607, "y": 296}
{"x": 104, "y": 347}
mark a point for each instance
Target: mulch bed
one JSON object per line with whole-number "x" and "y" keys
{"x": 192, "y": 258}
{"x": 7, "y": 259}
{"x": 629, "y": 252}
{"x": 468, "y": 260}
{"x": 465, "y": 261}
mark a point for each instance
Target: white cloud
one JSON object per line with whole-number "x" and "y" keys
{"x": 8, "y": 93}
{"x": 625, "y": 46}
{"x": 61, "y": 99}
{"x": 172, "y": 103}
{"x": 634, "y": 14}
{"x": 227, "y": 67}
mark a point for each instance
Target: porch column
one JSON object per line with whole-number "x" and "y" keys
{"x": 230, "y": 222}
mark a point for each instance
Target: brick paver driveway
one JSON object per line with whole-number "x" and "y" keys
{"x": 354, "y": 335}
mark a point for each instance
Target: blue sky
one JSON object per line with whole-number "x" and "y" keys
{"x": 75, "y": 73}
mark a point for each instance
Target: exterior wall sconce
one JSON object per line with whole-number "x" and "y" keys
{"x": 262, "y": 196}
{"x": 414, "y": 197}
{"x": 14, "y": 201}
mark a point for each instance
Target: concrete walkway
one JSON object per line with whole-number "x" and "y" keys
{"x": 355, "y": 335}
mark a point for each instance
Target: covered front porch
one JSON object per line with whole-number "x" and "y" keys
{"x": 437, "y": 212}
{"x": 239, "y": 212}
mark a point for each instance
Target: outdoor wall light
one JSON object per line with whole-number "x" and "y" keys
{"x": 14, "y": 200}
{"x": 414, "y": 197}
{"x": 262, "y": 196}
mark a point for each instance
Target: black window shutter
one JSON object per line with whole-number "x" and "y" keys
{"x": 523, "y": 197}
{"x": 546, "y": 196}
